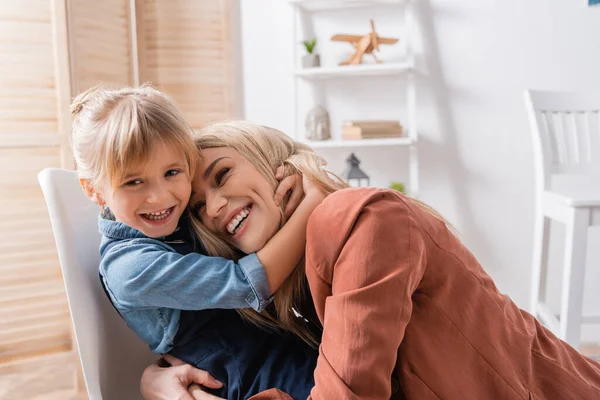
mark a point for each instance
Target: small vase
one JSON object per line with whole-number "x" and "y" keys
{"x": 311, "y": 61}
{"x": 317, "y": 124}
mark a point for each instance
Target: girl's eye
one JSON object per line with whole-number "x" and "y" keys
{"x": 172, "y": 172}
{"x": 221, "y": 175}
{"x": 133, "y": 182}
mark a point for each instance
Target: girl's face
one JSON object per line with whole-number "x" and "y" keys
{"x": 233, "y": 200}
{"x": 152, "y": 198}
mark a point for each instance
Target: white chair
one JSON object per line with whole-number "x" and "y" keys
{"x": 566, "y": 138}
{"x": 112, "y": 357}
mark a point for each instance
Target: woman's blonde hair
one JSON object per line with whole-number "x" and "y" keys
{"x": 267, "y": 149}
{"x": 114, "y": 131}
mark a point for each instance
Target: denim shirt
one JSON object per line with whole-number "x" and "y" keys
{"x": 150, "y": 283}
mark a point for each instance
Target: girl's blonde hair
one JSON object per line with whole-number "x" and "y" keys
{"x": 114, "y": 131}
{"x": 267, "y": 149}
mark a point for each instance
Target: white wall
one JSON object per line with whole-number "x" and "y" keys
{"x": 475, "y": 149}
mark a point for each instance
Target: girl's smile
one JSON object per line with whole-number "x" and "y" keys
{"x": 153, "y": 198}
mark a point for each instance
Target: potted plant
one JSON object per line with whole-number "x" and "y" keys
{"x": 399, "y": 186}
{"x": 311, "y": 59}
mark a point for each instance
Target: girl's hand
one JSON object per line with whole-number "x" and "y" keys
{"x": 291, "y": 183}
{"x": 312, "y": 191}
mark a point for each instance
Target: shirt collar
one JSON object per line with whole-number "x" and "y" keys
{"x": 113, "y": 229}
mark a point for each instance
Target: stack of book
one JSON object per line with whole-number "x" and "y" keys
{"x": 355, "y": 130}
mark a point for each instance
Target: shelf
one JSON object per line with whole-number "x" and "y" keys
{"x": 335, "y": 144}
{"x": 354, "y": 70}
{"x": 323, "y": 5}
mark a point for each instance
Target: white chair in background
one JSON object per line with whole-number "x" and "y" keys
{"x": 566, "y": 138}
{"x": 112, "y": 357}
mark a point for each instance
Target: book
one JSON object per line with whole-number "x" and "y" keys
{"x": 373, "y": 123}
{"x": 355, "y": 130}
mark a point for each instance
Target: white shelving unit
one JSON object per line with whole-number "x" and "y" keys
{"x": 325, "y": 5}
{"x": 303, "y": 9}
{"x": 354, "y": 70}
{"x": 349, "y": 144}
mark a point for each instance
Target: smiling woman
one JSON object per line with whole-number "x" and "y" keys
{"x": 234, "y": 200}
{"x": 403, "y": 304}
{"x": 236, "y": 176}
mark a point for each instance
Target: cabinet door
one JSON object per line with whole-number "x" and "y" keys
{"x": 50, "y": 51}
{"x": 100, "y": 35}
{"x": 34, "y": 318}
{"x": 187, "y": 48}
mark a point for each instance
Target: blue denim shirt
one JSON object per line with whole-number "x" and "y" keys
{"x": 149, "y": 283}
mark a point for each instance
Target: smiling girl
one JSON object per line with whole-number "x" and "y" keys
{"x": 136, "y": 157}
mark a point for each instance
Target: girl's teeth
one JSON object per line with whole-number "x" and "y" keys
{"x": 160, "y": 212}
{"x": 159, "y": 215}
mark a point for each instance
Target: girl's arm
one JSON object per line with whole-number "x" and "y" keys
{"x": 285, "y": 249}
{"x": 145, "y": 272}
{"x": 365, "y": 258}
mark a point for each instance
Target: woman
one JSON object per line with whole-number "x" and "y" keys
{"x": 405, "y": 307}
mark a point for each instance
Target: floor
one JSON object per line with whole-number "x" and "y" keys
{"x": 53, "y": 377}
{"x": 49, "y": 377}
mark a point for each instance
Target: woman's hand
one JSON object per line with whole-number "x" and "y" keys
{"x": 198, "y": 394}
{"x": 291, "y": 183}
{"x": 167, "y": 383}
{"x": 194, "y": 389}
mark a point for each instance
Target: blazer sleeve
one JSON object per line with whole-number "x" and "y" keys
{"x": 366, "y": 257}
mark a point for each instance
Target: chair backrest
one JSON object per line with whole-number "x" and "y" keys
{"x": 112, "y": 357}
{"x": 566, "y": 133}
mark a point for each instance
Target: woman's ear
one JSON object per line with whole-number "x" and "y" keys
{"x": 91, "y": 192}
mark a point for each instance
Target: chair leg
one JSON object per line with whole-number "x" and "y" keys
{"x": 541, "y": 242}
{"x": 574, "y": 277}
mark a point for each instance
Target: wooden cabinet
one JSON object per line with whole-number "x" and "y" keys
{"x": 49, "y": 51}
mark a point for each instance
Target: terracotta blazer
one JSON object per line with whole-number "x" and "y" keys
{"x": 408, "y": 312}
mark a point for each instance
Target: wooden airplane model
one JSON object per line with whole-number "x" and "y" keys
{"x": 363, "y": 44}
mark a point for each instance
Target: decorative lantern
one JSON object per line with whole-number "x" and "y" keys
{"x": 353, "y": 174}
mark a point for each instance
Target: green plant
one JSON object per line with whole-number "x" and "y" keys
{"x": 399, "y": 186}
{"x": 309, "y": 45}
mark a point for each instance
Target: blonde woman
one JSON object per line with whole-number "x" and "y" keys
{"x": 406, "y": 309}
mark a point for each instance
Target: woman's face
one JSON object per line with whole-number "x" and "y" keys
{"x": 233, "y": 200}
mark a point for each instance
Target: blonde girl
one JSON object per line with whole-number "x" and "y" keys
{"x": 136, "y": 157}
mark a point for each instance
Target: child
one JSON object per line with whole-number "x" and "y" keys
{"x": 136, "y": 158}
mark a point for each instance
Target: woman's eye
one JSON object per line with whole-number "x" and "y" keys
{"x": 221, "y": 175}
{"x": 172, "y": 172}
{"x": 198, "y": 208}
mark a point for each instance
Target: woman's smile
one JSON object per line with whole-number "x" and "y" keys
{"x": 238, "y": 221}
{"x": 234, "y": 200}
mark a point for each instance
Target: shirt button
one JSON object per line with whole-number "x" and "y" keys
{"x": 395, "y": 385}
